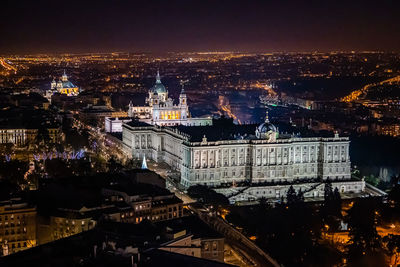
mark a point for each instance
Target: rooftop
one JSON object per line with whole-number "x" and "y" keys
{"x": 118, "y": 118}
{"x": 120, "y": 240}
{"x": 224, "y": 129}
{"x": 134, "y": 189}
{"x": 219, "y": 132}
{"x": 136, "y": 123}
{"x": 193, "y": 224}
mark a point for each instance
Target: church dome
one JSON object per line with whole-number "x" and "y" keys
{"x": 265, "y": 129}
{"x": 158, "y": 87}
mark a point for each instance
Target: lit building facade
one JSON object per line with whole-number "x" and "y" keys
{"x": 64, "y": 86}
{"x": 17, "y": 137}
{"x": 114, "y": 125}
{"x": 139, "y": 208}
{"x": 161, "y": 110}
{"x": 256, "y": 155}
{"x": 71, "y": 222}
{"x": 17, "y": 226}
{"x": 24, "y": 136}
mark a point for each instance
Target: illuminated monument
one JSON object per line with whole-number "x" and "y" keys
{"x": 62, "y": 86}
{"x": 246, "y": 162}
{"x": 162, "y": 111}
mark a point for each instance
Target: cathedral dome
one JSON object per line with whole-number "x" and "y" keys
{"x": 158, "y": 87}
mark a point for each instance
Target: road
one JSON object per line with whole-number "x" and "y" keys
{"x": 106, "y": 144}
{"x": 7, "y": 66}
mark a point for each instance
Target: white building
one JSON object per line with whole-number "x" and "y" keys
{"x": 223, "y": 156}
{"x": 114, "y": 125}
{"x": 161, "y": 110}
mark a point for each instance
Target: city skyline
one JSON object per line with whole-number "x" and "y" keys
{"x": 160, "y": 26}
{"x": 199, "y": 133}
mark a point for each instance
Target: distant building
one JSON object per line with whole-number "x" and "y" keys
{"x": 114, "y": 125}
{"x": 20, "y": 135}
{"x": 17, "y": 226}
{"x": 95, "y": 115}
{"x": 62, "y": 86}
{"x": 162, "y": 111}
{"x": 388, "y": 129}
{"x": 22, "y": 126}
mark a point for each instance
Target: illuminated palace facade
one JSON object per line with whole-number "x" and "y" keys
{"x": 161, "y": 110}
{"x": 223, "y": 157}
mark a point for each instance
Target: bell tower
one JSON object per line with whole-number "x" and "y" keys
{"x": 182, "y": 96}
{"x": 130, "y": 109}
{"x": 183, "y": 102}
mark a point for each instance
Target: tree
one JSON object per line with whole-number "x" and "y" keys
{"x": 371, "y": 179}
{"x": 132, "y": 164}
{"x": 263, "y": 204}
{"x": 42, "y": 141}
{"x": 328, "y": 192}
{"x": 7, "y": 148}
{"x": 13, "y": 171}
{"x": 394, "y": 180}
{"x": 291, "y": 196}
{"x": 394, "y": 196}
{"x": 365, "y": 244}
{"x": 113, "y": 165}
{"x": 331, "y": 210}
{"x": 207, "y": 195}
{"x": 294, "y": 225}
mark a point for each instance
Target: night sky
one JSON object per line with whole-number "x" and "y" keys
{"x": 29, "y": 26}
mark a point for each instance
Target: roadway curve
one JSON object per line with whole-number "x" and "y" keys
{"x": 237, "y": 239}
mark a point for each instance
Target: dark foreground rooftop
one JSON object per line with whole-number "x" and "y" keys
{"x": 111, "y": 244}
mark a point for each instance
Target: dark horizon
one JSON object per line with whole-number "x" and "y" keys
{"x": 34, "y": 27}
